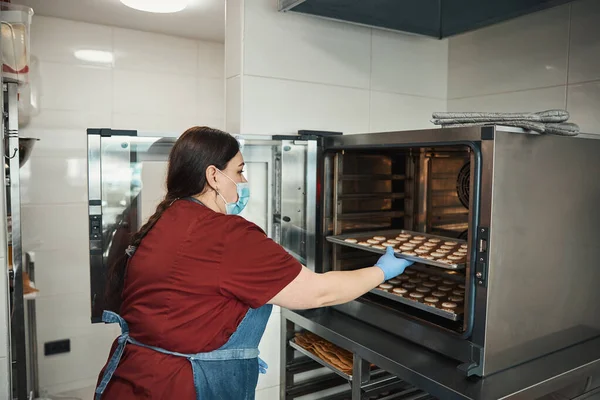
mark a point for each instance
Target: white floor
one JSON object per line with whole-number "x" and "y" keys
{"x": 88, "y": 394}
{"x": 79, "y": 394}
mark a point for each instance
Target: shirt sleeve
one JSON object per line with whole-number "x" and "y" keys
{"x": 254, "y": 268}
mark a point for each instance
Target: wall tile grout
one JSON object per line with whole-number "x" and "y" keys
{"x": 505, "y": 92}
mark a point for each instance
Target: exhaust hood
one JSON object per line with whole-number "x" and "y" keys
{"x": 436, "y": 18}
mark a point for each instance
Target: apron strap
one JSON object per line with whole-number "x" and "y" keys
{"x": 110, "y": 317}
{"x": 225, "y": 354}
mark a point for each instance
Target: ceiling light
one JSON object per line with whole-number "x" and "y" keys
{"x": 157, "y": 6}
{"x": 95, "y": 56}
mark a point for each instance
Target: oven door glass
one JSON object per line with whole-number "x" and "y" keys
{"x": 126, "y": 180}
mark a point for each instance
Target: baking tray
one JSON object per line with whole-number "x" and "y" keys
{"x": 314, "y": 357}
{"x": 454, "y": 316}
{"x": 363, "y": 236}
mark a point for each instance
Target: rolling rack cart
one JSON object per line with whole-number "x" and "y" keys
{"x": 21, "y": 353}
{"x": 366, "y": 381}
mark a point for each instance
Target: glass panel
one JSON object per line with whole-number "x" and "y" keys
{"x": 258, "y": 156}
{"x": 298, "y": 199}
{"x": 128, "y": 165}
{"x": 131, "y": 173}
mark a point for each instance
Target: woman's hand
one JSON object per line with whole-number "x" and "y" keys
{"x": 391, "y": 265}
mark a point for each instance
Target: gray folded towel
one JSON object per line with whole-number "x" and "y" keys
{"x": 442, "y": 118}
{"x": 564, "y": 129}
{"x": 550, "y": 122}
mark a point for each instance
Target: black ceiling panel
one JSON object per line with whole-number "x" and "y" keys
{"x": 436, "y": 18}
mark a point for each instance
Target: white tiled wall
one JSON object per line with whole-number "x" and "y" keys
{"x": 157, "y": 83}
{"x": 549, "y": 59}
{"x": 284, "y": 72}
{"x": 295, "y": 72}
{"x": 287, "y": 72}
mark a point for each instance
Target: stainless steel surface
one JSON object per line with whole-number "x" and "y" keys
{"x": 4, "y": 276}
{"x": 18, "y": 311}
{"x": 94, "y": 169}
{"x": 312, "y": 198}
{"x": 361, "y": 370}
{"x": 445, "y": 212}
{"x": 25, "y": 149}
{"x": 543, "y": 275}
{"x": 531, "y": 230}
{"x": 438, "y": 375}
{"x": 33, "y": 388}
{"x": 480, "y": 294}
{"x": 297, "y": 225}
{"x": 338, "y": 171}
{"x": 340, "y": 240}
{"x": 416, "y": 138}
{"x": 422, "y": 182}
{"x": 324, "y": 363}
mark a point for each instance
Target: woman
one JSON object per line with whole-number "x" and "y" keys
{"x": 198, "y": 283}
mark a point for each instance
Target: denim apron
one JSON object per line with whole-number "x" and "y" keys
{"x": 228, "y": 373}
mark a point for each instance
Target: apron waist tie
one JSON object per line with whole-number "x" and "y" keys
{"x": 219, "y": 354}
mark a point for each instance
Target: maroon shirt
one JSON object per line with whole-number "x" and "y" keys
{"x": 189, "y": 285}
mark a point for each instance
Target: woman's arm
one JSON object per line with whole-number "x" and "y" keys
{"x": 312, "y": 290}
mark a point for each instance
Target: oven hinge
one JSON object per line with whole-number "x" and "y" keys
{"x": 482, "y": 260}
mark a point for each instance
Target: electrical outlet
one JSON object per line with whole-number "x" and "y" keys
{"x": 57, "y": 347}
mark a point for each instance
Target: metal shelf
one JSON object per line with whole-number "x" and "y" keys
{"x": 421, "y": 306}
{"x": 319, "y": 360}
{"x": 340, "y": 239}
{"x": 371, "y": 214}
{"x": 373, "y": 177}
{"x": 367, "y": 196}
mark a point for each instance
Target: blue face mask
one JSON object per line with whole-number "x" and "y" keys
{"x": 243, "y": 193}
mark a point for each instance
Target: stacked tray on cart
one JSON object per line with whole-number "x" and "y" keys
{"x": 423, "y": 248}
{"x": 324, "y": 352}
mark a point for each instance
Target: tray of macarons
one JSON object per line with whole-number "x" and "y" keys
{"x": 414, "y": 246}
{"x": 434, "y": 293}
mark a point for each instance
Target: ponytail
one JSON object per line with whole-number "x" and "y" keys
{"x": 118, "y": 270}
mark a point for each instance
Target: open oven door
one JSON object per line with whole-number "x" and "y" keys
{"x": 126, "y": 180}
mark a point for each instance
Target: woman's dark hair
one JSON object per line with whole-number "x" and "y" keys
{"x": 197, "y": 149}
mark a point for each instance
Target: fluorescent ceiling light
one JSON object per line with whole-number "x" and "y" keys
{"x": 95, "y": 56}
{"x": 157, "y": 6}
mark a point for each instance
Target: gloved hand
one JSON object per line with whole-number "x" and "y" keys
{"x": 262, "y": 366}
{"x": 391, "y": 265}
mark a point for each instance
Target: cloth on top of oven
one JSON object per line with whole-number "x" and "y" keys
{"x": 548, "y": 122}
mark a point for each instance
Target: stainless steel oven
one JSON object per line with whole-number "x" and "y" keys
{"x": 519, "y": 210}
{"x": 523, "y": 206}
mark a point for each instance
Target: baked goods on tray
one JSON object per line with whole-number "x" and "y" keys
{"x": 332, "y": 354}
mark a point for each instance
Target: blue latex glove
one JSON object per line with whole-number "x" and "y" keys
{"x": 391, "y": 265}
{"x": 262, "y": 366}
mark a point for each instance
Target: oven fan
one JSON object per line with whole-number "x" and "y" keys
{"x": 463, "y": 183}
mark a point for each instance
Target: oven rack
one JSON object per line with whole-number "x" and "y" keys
{"x": 341, "y": 240}
{"x": 421, "y": 306}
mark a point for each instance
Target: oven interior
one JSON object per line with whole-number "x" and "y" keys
{"x": 387, "y": 191}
